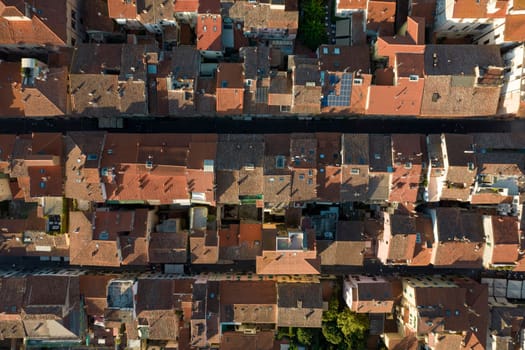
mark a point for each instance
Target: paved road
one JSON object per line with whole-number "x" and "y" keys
{"x": 267, "y": 125}
{"x": 32, "y": 264}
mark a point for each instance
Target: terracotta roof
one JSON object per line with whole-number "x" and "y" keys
{"x": 389, "y": 46}
{"x": 404, "y": 98}
{"x": 97, "y": 58}
{"x": 34, "y": 30}
{"x": 409, "y": 154}
{"x": 514, "y": 27}
{"x": 288, "y": 263}
{"x": 381, "y": 16}
{"x": 505, "y": 239}
{"x": 230, "y": 88}
{"x": 186, "y": 5}
{"x": 351, "y": 5}
{"x": 329, "y": 183}
{"x": 45, "y": 181}
{"x": 479, "y": 9}
{"x": 299, "y": 304}
{"x": 47, "y": 97}
{"x": 82, "y": 175}
{"x": 209, "y": 30}
{"x": 122, "y": 9}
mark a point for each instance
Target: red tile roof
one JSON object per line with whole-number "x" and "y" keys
{"x": 209, "y": 31}
{"x": 514, "y": 27}
{"x": 401, "y": 99}
{"x": 122, "y": 9}
{"x": 351, "y": 5}
{"x": 34, "y": 31}
{"x": 381, "y": 16}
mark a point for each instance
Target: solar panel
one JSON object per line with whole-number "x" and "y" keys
{"x": 345, "y": 90}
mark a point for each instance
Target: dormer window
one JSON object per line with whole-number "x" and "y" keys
{"x": 413, "y": 77}
{"x": 408, "y": 165}
{"x": 358, "y": 81}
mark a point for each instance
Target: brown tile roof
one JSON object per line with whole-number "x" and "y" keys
{"x": 93, "y": 288}
{"x": 341, "y": 253}
{"x": 460, "y": 59}
{"x": 280, "y": 90}
{"x": 84, "y": 250}
{"x": 209, "y": 30}
{"x": 262, "y": 16}
{"x": 204, "y": 247}
{"x": 424, "y": 9}
{"x": 345, "y": 58}
{"x": 371, "y": 295}
{"x": 380, "y": 151}
{"x": 277, "y": 189}
{"x": 94, "y": 94}
{"x": 45, "y": 181}
{"x": 402, "y": 247}
{"x": 11, "y": 103}
{"x": 154, "y": 294}
{"x": 408, "y": 64}
{"x": 405, "y": 98}
{"x": 248, "y": 301}
{"x": 299, "y": 304}
{"x": 304, "y": 184}
{"x": 381, "y": 16}
{"x": 354, "y": 183}
{"x": 12, "y": 291}
{"x": 505, "y": 239}
{"x": 168, "y": 248}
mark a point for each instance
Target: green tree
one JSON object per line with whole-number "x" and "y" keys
{"x": 351, "y": 323}
{"x": 305, "y": 335}
{"x": 331, "y": 333}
